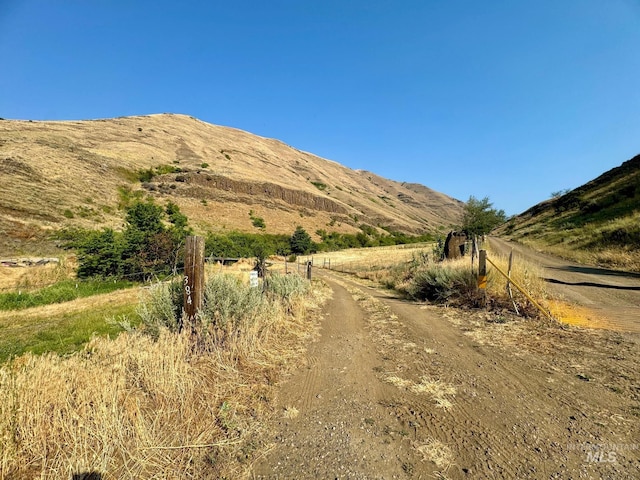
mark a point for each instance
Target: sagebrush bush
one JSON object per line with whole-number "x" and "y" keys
{"x": 230, "y": 307}
{"x": 228, "y": 302}
{"x": 162, "y": 308}
{"x": 286, "y": 286}
{"x": 443, "y": 283}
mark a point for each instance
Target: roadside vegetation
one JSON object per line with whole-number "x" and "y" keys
{"x": 60, "y": 292}
{"x": 426, "y": 276}
{"x": 155, "y": 402}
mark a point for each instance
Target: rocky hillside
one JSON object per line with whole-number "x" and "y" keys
{"x": 56, "y": 174}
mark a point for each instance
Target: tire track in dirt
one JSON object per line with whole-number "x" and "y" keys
{"x": 395, "y": 389}
{"x": 515, "y": 414}
{"x": 346, "y": 426}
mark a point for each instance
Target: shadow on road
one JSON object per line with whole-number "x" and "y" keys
{"x": 594, "y": 271}
{"x": 591, "y": 284}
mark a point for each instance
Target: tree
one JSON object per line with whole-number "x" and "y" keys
{"x": 145, "y": 217}
{"x": 99, "y": 253}
{"x": 479, "y": 218}
{"x": 300, "y": 241}
{"x": 146, "y": 247}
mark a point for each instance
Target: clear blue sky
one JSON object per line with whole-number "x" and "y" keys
{"x": 507, "y": 99}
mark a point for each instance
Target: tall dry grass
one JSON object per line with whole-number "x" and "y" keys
{"x": 454, "y": 282}
{"x": 37, "y": 276}
{"x": 142, "y": 406}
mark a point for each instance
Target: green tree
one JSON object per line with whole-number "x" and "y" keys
{"x": 99, "y": 253}
{"x": 146, "y": 246}
{"x": 479, "y": 218}
{"x": 300, "y": 241}
{"x": 145, "y": 217}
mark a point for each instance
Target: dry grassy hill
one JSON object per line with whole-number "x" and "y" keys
{"x": 63, "y": 173}
{"x": 598, "y": 222}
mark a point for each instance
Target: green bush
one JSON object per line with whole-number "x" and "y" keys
{"x": 145, "y": 248}
{"x": 162, "y": 308}
{"x": 258, "y": 222}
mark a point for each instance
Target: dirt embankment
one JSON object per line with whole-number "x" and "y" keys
{"x": 395, "y": 389}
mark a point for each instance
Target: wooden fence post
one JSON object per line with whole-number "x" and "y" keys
{"x": 515, "y": 307}
{"x": 309, "y": 264}
{"x": 482, "y": 276}
{"x": 193, "y": 279}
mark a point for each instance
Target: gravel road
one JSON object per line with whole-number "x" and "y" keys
{"x": 399, "y": 390}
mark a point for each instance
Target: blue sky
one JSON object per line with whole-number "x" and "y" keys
{"x": 507, "y": 99}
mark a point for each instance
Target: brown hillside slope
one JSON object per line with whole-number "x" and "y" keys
{"x": 63, "y": 173}
{"x": 596, "y": 223}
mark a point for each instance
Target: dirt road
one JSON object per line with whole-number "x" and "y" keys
{"x": 613, "y": 295}
{"x": 395, "y": 389}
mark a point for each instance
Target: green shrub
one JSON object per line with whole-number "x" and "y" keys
{"x": 286, "y": 287}
{"x": 162, "y": 308}
{"x": 258, "y": 222}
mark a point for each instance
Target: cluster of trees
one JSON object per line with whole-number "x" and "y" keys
{"x": 150, "y": 244}
{"x": 367, "y": 237}
{"x": 152, "y": 241}
{"x": 237, "y": 244}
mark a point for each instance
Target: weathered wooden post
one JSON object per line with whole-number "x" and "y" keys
{"x": 193, "y": 279}
{"x": 482, "y": 277}
{"x": 309, "y": 264}
{"x": 515, "y": 307}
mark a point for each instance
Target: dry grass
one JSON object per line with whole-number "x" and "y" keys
{"x": 356, "y": 260}
{"x": 37, "y": 276}
{"x": 437, "y": 452}
{"x": 526, "y": 274}
{"x": 138, "y": 408}
{"x": 438, "y": 390}
{"x": 614, "y": 257}
{"x": 68, "y": 173}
